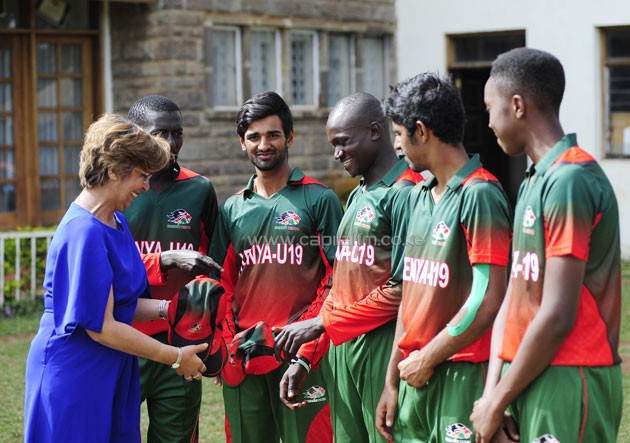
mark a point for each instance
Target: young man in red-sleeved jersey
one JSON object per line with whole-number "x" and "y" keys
{"x": 359, "y": 313}
{"x": 555, "y": 361}
{"x": 453, "y": 270}
{"x": 171, "y": 223}
{"x": 275, "y": 240}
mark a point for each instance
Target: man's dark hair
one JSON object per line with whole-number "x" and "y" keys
{"x": 157, "y": 103}
{"x": 261, "y": 106}
{"x": 531, "y": 73}
{"x": 433, "y": 100}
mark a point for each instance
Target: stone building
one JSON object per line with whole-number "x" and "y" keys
{"x": 64, "y": 62}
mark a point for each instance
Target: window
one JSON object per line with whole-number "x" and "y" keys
{"x": 243, "y": 61}
{"x": 50, "y": 86}
{"x": 7, "y": 140}
{"x": 225, "y": 63}
{"x": 374, "y": 56}
{"x": 475, "y": 49}
{"x": 340, "y": 62}
{"x": 303, "y": 68}
{"x": 265, "y": 61}
{"x": 60, "y": 102}
{"x": 617, "y": 92}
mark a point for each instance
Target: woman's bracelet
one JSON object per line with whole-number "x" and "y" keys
{"x": 162, "y": 309}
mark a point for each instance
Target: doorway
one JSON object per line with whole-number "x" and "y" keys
{"x": 479, "y": 138}
{"x": 470, "y": 59}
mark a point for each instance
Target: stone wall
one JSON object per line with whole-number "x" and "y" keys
{"x": 159, "y": 49}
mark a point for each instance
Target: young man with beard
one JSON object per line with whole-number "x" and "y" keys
{"x": 360, "y": 312}
{"x": 171, "y": 223}
{"x": 555, "y": 362}
{"x": 275, "y": 240}
{"x": 453, "y": 270}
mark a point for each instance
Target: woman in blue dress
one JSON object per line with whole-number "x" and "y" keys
{"x": 82, "y": 377}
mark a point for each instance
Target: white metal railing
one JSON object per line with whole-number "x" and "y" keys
{"x": 16, "y": 238}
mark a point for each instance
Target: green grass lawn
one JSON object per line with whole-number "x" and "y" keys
{"x": 16, "y": 333}
{"x": 15, "y": 337}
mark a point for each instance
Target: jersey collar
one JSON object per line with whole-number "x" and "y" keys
{"x": 456, "y": 181}
{"x": 392, "y": 175}
{"x": 566, "y": 142}
{"x": 295, "y": 177}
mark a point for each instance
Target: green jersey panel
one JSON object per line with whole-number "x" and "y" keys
{"x": 364, "y": 294}
{"x": 277, "y": 253}
{"x": 566, "y": 206}
{"x": 182, "y": 216}
{"x": 470, "y": 224}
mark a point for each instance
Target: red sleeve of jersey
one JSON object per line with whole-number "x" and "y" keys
{"x": 377, "y": 308}
{"x": 204, "y": 241}
{"x": 410, "y": 176}
{"x": 154, "y": 272}
{"x": 486, "y": 220}
{"x": 313, "y": 351}
{"x": 328, "y": 304}
{"x": 228, "y": 280}
{"x": 570, "y": 210}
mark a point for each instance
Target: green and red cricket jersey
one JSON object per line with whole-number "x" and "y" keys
{"x": 469, "y": 225}
{"x": 566, "y": 206}
{"x": 370, "y": 238}
{"x": 182, "y": 216}
{"x": 277, "y": 254}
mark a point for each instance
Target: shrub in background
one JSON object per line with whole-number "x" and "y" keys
{"x": 28, "y": 302}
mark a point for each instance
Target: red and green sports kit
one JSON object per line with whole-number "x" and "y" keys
{"x": 182, "y": 216}
{"x": 566, "y": 206}
{"x": 360, "y": 312}
{"x": 277, "y": 254}
{"x": 469, "y": 225}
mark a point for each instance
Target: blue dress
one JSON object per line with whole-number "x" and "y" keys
{"x": 76, "y": 389}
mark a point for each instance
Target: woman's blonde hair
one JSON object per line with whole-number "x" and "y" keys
{"x": 113, "y": 143}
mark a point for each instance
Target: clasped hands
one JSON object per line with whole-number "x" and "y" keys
{"x": 191, "y": 366}
{"x": 289, "y": 339}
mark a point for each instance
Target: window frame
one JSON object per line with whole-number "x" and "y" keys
{"x": 277, "y": 52}
{"x": 25, "y": 37}
{"x": 385, "y": 40}
{"x": 238, "y": 61}
{"x": 315, "y": 71}
{"x": 51, "y": 215}
{"x": 352, "y": 67}
{"x": 606, "y": 63}
{"x": 283, "y": 37}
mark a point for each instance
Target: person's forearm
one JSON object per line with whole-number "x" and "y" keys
{"x": 495, "y": 364}
{"x": 445, "y": 343}
{"x": 392, "y": 378}
{"x": 376, "y": 308}
{"x": 124, "y": 338}
{"x": 548, "y": 330}
{"x": 530, "y": 361}
{"x": 149, "y": 309}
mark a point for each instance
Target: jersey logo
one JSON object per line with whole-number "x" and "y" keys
{"x": 440, "y": 233}
{"x": 196, "y": 327}
{"x": 364, "y": 217}
{"x": 315, "y": 394}
{"x": 529, "y": 218}
{"x": 288, "y": 218}
{"x": 547, "y": 438}
{"x": 458, "y": 433}
{"x": 180, "y": 219}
